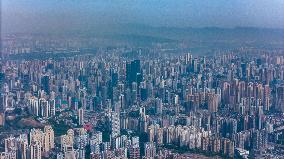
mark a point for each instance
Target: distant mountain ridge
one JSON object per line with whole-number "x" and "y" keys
{"x": 204, "y": 36}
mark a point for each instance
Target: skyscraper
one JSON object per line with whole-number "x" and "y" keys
{"x": 81, "y": 116}
{"x": 150, "y": 150}
{"x": 35, "y": 150}
{"x": 45, "y": 84}
{"x": 115, "y": 125}
{"x": 133, "y": 72}
{"x": 48, "y": 138}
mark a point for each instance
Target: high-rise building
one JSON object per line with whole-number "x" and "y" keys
{"x": 67, "y": 141}
{"x": 115, "y": 125}
{"x": 279, "y": 98}
{"x": 35, "y": 150}
{"x": 134, "y": 151}
{"x": 36, "y": 136}
{"x": 34, "y": 106}
{"x": 22, "y": 146}
{"x": 150, "y": 150}
{"x": 11, "y": 147}
{"x": 227, "y": 147}
{"x": 48, "y": 143}
{"x": 95, "y": 142}
{"x": 81, "y": 116}
{"x": 133, "y": 72}
{"x": 45, "y": 84}
{"x": 44, "y": 108}
{"x": 159, "y": 106}
{"x": 213, "y": 102}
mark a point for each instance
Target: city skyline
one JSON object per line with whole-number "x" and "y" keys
{"x": 141, "y": 79}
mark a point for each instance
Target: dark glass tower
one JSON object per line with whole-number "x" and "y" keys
{"x": 133, "y": 72}
{"x": 45, "y": 84}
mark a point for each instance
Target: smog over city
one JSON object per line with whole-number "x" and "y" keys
{"x": 141, "y": 79}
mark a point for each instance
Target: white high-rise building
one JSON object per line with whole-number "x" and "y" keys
{"x": 48, "y": 138}
{"x": 115, "y": 125}
{"x": 34, "y": 106}
{"x": 35, "y": 150}
{"x": 10, "y": 148}
{"x": 150, "y": 150}
{"x": 95, "y": 142}
{"x": 44, "y": 108}
{"x": 67, "y": 141}
{"x": 81, "y": 116}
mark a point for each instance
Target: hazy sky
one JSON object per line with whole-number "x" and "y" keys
{"x": 26, "y": 15}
